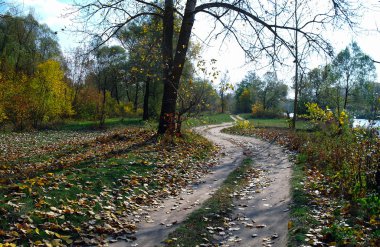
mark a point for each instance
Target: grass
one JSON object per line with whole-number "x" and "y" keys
{"x": 101, "y": 179}
{"x": 206, "y": 120}
{"x": 193, "y": 231}
{"x": 111, "y": 123}
{"x": 274, "y": 123}
{"x": 330, "y": 204}
{"x": 300, "y": 212}
{"x": 125, "y": 122}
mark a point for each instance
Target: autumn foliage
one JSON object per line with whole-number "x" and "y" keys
{"x": 32, "y": 100}
{"x": 342, "y": 175}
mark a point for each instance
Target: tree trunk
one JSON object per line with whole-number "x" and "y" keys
{"x": 127, "y": 91}
{"x": 117, "y": 94}
{"x": 135, "y": 103}
{"x": 265, "y": 100}
{"x": 173, "y": 69}
{"x": 346, "y": 91}
{"x": 170, "y": 94}
{"x": 146, "y": 99}
{"x": 296, "y": 72}
{"x": 222, "y": 99}
{"x": 102, "y": 119}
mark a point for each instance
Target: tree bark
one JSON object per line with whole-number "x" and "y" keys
{"x": 102, "y": 119}
{"x": 169, "y": 97}
{"x": 173, "y": 67}
{"x": 222, "y": 99}
{"x": 296, "y": 72}
{"x": 346, "y": 92}
{"x": 265, "y": 100}
{"x": 135, "y": 102}
{"x": 146, "y": 99}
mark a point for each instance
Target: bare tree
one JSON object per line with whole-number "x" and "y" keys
{"x": 305, "y": 18}
{"x": 78, "y": 64}
{"x": 224, "y": 85}
{"x": 249, "y": 22}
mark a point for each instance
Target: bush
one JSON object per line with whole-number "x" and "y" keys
{"x": 244, "y": 124}
{"x": 259, "y": 112}
{"x": 326, "y": 120}
{"x": 3, "y": 117}
{"x": 129, "y": 111}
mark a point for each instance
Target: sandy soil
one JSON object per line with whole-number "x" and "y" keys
{"x": 260, "y": 216}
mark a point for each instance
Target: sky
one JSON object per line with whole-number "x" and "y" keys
{"x": 228, "y": 55}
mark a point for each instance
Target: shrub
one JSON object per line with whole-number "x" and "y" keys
{"x": 259, "y": 112}
{"x": 326, "y": 120}
{"x": 129, "y": 111}
{"x": 3, "y": 117}
{"x": 244, "y": 125}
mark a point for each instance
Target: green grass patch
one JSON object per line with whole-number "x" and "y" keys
{"x": 275, "y": 122}
{"x": 207, "y": 119}
{"x": 246, "y": 115}
{"x": 300, "y": 213}
{"x": 194, "y": 231}
{"x": 110, "y": 123}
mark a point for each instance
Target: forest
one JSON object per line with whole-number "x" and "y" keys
{"x": 98, "y": 140}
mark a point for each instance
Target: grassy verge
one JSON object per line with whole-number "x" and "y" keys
{"x": 119, "y": 122}
{"x": 194, "y": 230}
{"x": 300, "y": 212}
{"x": 335, "y": 180}
{"x": 111, "y": 123}
{"x": 281, "y": 123}
{"x": 208, "y": 119}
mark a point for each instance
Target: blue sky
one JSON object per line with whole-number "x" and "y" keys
{"x": 51, "y": 13}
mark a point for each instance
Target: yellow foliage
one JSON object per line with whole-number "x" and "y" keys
{"x": 15, "y": 98}
{"x": 317, "y": 114}
{"x": 3, "y": 117}
{"x": 343, "y": 118}
{"x": 41, "y": 97}
{"x": 245, "y": 94}
{"x": 51, "y": 95}
{"x": 326, "y": 118}
{"x": 244, "y": 124}
{"x": 128, "y": 108}
{"x": 7, "y": 245}
{"x": 256, "y": 108}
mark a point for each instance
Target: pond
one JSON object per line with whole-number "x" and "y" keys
{"x": 366, "y": 123}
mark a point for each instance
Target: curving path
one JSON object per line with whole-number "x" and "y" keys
{"x": 260, "y": 216}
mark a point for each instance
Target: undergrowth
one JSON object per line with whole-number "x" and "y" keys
{"x": 336, "y": 184}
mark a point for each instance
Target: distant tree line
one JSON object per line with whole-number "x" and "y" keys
{"x": 40, "y": 86}
{"x": 347, "y": 83}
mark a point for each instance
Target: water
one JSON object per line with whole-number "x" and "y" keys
{"x": 366, "y": 123}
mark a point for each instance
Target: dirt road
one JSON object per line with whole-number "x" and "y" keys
{"x": 260, "y": 217}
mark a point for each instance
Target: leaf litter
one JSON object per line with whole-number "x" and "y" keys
{"x": 94, "y": 188}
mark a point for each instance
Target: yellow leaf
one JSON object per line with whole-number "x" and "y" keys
{"x": 56, "y": 242}
{"x": 66, "y": 239}
{"x": 8, "y": 245}
{"x": 290, "y": 224}
{"x": 373, "y": 220}
{"x": 37, "y": 231}
{"x": 49, "y": 232}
